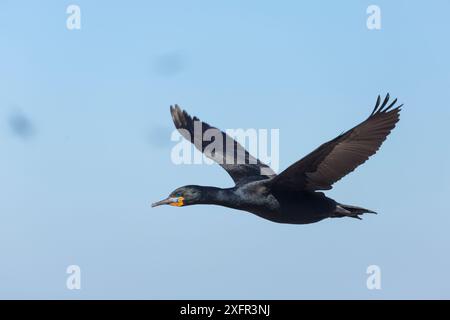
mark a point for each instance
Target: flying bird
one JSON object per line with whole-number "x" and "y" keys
{"x": 294, "y": 196}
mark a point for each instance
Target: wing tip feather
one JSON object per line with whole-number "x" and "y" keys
{"x": 384, "y": 107}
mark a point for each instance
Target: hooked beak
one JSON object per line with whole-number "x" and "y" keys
{"x": 177, "y": 202}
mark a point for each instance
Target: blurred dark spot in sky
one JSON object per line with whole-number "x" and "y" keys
{"x": 159, "y": 137}
{"x": 21, "y": 126}
{"x": 169, "y": 64}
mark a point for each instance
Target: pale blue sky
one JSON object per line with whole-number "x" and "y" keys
{"x": 85, "y": 143}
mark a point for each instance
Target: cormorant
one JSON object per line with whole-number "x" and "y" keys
{"x": 293, "y": 195}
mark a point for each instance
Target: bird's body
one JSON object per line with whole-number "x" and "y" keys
{"x": 256, "y": 197}
{"x": 293, "y": 196}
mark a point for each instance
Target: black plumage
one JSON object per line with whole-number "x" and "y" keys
{"x": 292, "y": 196}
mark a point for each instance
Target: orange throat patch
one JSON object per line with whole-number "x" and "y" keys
{"x": 179, "y": 203}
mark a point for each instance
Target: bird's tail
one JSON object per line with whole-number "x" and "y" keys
{"x": 344, "y": 210}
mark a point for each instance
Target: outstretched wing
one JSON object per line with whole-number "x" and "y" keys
{"x": 333, "y": 160}
{"x": 219, "y": 146}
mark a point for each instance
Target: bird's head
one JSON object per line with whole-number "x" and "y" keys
{"x": 183, "y": 196}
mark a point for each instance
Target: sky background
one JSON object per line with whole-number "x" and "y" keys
{"x": 85, "y": 147}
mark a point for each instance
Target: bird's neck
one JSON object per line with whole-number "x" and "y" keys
{"x": 218, "y": 196}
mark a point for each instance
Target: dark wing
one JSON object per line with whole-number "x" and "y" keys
{"x": 333, "y": 160}
{"x": 219, "y": 146}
